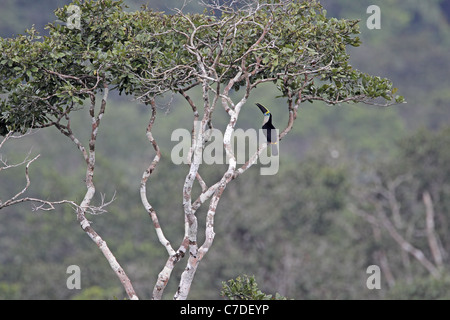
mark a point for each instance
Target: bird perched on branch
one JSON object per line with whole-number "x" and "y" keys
{"x": 269, "y": 129}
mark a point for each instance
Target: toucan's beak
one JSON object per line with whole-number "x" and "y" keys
{"x": 262, "y": 108}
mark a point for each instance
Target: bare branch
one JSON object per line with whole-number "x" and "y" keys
{"x": 15, "y": 199}
{"x": 431, "y": 234}
{"x": 407, "y": 246}
{"x": 151, "y": 211}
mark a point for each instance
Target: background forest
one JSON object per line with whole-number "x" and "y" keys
{"x": 358, "y": 185}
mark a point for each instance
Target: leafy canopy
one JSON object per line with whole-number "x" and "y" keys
{"x": 145, "y": 53}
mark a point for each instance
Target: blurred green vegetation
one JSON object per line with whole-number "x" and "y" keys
{"x": 246, "y": 288}
{"x": 298, "y": 232}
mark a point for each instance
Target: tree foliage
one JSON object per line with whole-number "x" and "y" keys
{"x": 245, "y": 288}
{"x": 147, "y": 53}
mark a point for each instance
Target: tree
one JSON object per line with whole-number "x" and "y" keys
{"x": 151, "y": 54}
{"x": 46, "y": 78}
{"x": 245, "y": 288}
{"x": 404, "y": 202}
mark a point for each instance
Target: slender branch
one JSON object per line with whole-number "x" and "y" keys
{"x": 14, "y": 199}
{"x": 165, "y": 274}
{"x": 151, "y": 211}
{"x": 431, "y": 234}
{"x": 85, "y": 205}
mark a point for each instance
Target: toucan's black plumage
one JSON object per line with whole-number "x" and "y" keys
{"x": 268, "y": 128}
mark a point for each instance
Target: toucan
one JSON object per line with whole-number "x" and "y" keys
{"x": 269, "y": 129}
